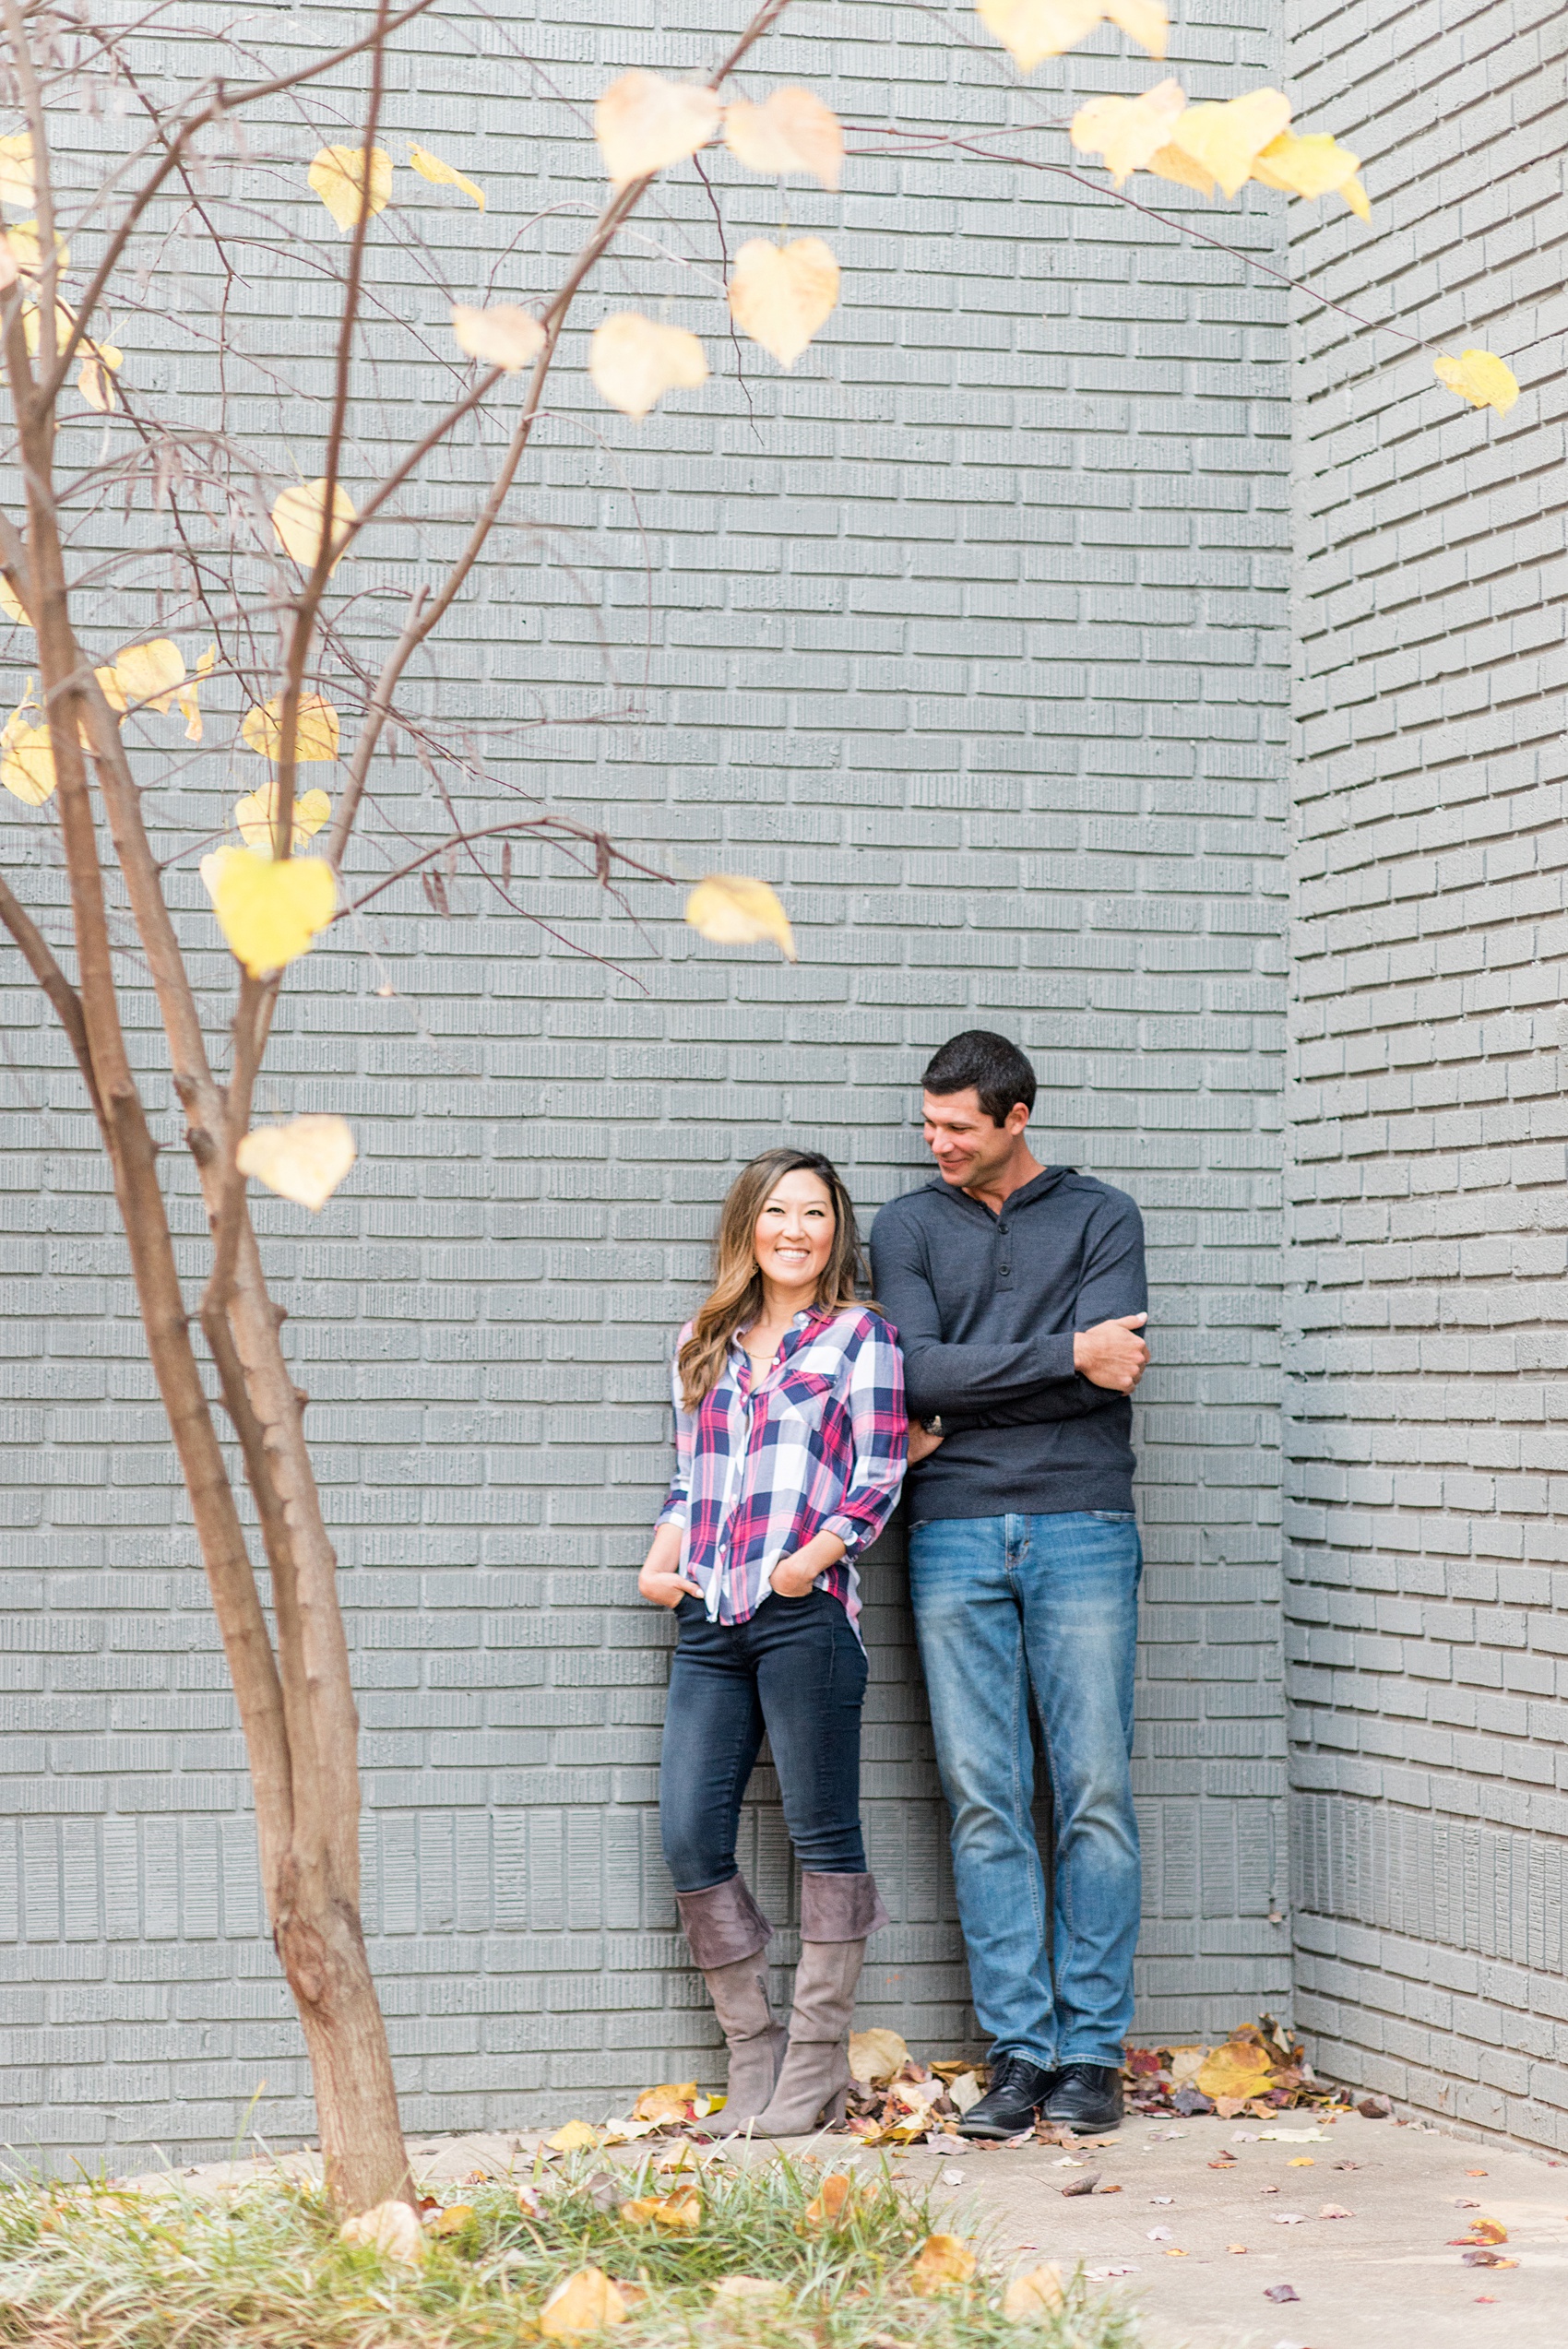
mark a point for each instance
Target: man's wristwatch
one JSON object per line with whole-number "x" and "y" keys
{"x": 933, "y": 1425}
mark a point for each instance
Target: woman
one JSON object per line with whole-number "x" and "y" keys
{"x": 790, "y": 1441}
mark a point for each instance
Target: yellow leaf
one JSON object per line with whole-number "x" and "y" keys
{"x": 1032, "y": 30}
{"x": 793, "y": 132}
{"x": 831, "y": 2202}
{"x": 253, "y": 815}
{"x": 633, "y": 360}
{"x": 298, "y": 517}
{"x": 147, "y": 674}
{"x": 667, "y": 2102}
{"x": 430, "y": 167}
{"x": 643, "y": 123}
{"x": 1306, "y": 163}
{"x": 27, "y": 759}
{"x": 942, "y": 2264}
{"x": 875, "y": 2056}
{"x": 391, "y": 2228}
{"x": 95, "y": 377}
{"x": 1127, "y": 131}
{"x": 338, "y": 176}
{"x": 1479, "y": 377}
{"x": 16, "y": 170}
{"x": 1170, "y": 163}
{"x": 316, "y": 731}
{"x": 1033, "y": 2295}
{"x": 584, "y": 2302}
{"x": 305, "y": 1160}
{"x": 11, "y": 603}
{"x": 577, "y": 2137}
{"x": 21, "y": 242}
{"x": 503, "y": 336}
{"x": 185, "y": 700}
{"x": 734, "y": 910}
{"x": 779, "y": 295}
{"x": 1225, "y": 140}
{"x": 1239, "y": 2068}
{"x": 677, "y": 2214}
{"x": 456, "y": 2215}
{"x": 270, "y": 913}
{"x": 1355, "y": 196}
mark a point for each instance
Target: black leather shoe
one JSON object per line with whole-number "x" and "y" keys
{"x": 1017, "y": 2090}
{"x": 1086, "y": 2097}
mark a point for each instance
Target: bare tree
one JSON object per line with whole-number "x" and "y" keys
{"x": 183, "y": 506}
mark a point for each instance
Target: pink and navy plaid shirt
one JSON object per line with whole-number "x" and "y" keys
{"x": 816, "y": 1446}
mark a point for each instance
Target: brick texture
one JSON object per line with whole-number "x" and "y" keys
{"x": 969, "y": 635}
{"x": 1426, "y": 1591}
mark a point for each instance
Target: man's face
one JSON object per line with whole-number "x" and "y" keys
{"x": 969, "y": 1148}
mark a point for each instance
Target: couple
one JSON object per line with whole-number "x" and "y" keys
{"x": 1010, "y": 1296}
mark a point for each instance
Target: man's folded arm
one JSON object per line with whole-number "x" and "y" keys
{"x": 967, "y": 1380}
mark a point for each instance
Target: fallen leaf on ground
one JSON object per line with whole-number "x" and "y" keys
{"x": 1280, "y": 2292}
{"x": 456, "y": 2215}
{"x": 678, "y": 2213}
{"x": 793, "y": 131}
{"x": 502, "y": 336}
{"x": 780, "y": 295}
{"x": 304, "y": 1161}
{"x": 1037, "y": 2292}
{"x": 644, "y": 123}
{"x": 828, "y": 2208}
{"x": 1032, "y": 30}
{"x": 1081, "y": 2185}
{"x": 965, "y": 2091}
{"x": 391, "y": 2228}
{"x": 875, "y": 2056}
{"x": 584, "y": 2302}
{"x": 1335, "y": 2209}
{"x": 268, "y": 912}
{"x": 1485, "y": 2230}
{"x": 667, "y": 2102}
{"x": 430, "y": 167}
{"x": 298, "y": 515}
{"x": 1300, "y": 2161}
{"x": 316, "y": 730}
{"x": 1482, "y": 379}
{"x": 1240, "y": 2248}
{"x": 942, "y": 2264}
{"x": 577, "y": 2137}
{"x": 734, "y": 910}
{"x": 633, "y": 360}
{"x": 1159, "y": 2235}
{"x": 338, "y": 176}
{"x": 756, "y": 2291}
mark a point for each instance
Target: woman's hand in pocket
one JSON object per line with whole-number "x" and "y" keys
{"x": 661, "y": 1579}
{"x": 792, "y": 1579}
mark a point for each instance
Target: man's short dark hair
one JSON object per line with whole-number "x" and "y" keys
{"x": 996, "y": 1069}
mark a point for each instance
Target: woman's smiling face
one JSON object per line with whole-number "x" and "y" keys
{"x": 793, "y": 1236}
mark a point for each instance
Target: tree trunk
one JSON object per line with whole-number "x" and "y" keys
{"x": 323, "y": 1953}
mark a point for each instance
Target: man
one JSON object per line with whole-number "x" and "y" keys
{"x": 1019, "y": 1291}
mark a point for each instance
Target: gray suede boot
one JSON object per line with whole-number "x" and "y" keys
{"x": 729, "y": 1934}
{"x": 836, "y": 1914}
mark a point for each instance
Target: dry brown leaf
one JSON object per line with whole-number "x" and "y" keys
{"x": 1032, "y": 30}
{"x": 502, "y": 336}
{"x": 780, "y": 295}
{"x": 830, "y": 2203}
{"x": 875, "y": 2056}
{"x": 944, "y": 2263}
{"x": 793, "y": 132}
{"x": 1186, "y": 2063}
{"x": 304, "y": 1161}
{"x": 430, "y": 167}
{"x": 1033, "y": 2295}
{"x": 734, "y": 910}
{"x": 391, "y": 2228}
{"x": 644, "y": 123}
{"x": 338, "y": 176}
{"x": 577, "y": 2137}
{"x": 298, "y": 517}
{"x": 1128, "y": 131}
{"x": 633, "y": 360}
{"x": 584, "y": 2302}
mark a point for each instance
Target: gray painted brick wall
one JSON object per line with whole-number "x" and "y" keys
{"x": 1427, "y": 1590}
{"x": 976, "y": 647}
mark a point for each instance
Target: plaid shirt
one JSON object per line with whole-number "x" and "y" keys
{"x": 814, "y": 1445}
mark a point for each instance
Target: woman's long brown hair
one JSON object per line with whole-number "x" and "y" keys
{"x": 735, "y": 1300}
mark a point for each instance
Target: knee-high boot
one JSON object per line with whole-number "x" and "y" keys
{"x": 836, "y": 1914}
{"x": 729, "y": 1936}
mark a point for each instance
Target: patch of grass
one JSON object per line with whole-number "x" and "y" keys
{"x": 261, "y": 2267}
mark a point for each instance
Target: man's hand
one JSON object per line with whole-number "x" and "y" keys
{"x": 1111, "y": 1354}
{"x": 922, "y": 1443}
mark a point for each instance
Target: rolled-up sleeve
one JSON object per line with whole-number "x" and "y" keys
{"x": 677, "y": 1506}
{"x": 879, "y": 1427}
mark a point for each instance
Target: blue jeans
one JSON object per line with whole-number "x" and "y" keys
{"x": 796, "y": 1669}
{"x": 1004, "y": 1605}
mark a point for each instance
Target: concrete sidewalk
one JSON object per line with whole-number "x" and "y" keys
{"x": 1388, "y": 2276}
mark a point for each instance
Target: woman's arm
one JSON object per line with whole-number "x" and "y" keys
{"x": 661, "y": 1579}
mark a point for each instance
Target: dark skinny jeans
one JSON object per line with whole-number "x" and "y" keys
{"x": 797, "y": 1670}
